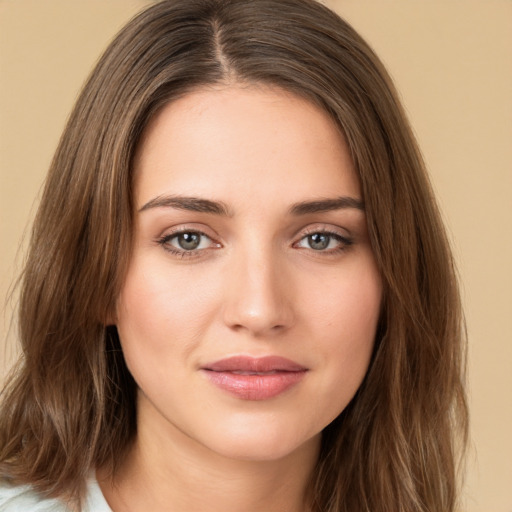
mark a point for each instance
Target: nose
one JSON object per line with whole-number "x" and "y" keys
{"x": 258, "y": 297}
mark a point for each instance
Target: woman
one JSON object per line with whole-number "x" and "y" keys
{"x": 239, "y": 294}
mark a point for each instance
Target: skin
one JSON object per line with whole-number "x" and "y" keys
{"x": 256, "y": 285}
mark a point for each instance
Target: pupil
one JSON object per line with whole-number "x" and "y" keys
{"x": 318, "y": 241}
{"x": 189, "y": 241}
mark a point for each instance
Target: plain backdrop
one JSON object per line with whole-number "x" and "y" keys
{"x": 452, "y": 62}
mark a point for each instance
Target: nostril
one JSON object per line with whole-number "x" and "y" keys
{"x": 258, "y": 330}
{"x": 259, "y": 304}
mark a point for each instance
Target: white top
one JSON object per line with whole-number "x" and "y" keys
{"x": 23, "y": 499}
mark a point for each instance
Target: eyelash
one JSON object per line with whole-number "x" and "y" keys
{"x": 164, "y": 241}
{"x": 344, "y": 241}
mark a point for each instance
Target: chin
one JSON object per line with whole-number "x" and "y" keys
{"x": 261, "y": 444}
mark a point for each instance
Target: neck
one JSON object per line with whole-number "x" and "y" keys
{"x": 169, "y": 471}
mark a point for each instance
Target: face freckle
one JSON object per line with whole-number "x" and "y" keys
{"x": 249, "y": 309}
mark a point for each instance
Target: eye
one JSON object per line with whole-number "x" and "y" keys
{"x": 189, "y": 241}
{"x": 323, "y": 241}
{"x": 184, "y": 242}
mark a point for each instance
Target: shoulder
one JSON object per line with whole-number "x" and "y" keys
{"x": 23, "y": 498}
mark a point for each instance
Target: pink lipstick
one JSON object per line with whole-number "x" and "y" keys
{"x": 252, "y": 378}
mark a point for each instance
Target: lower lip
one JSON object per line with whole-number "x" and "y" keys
{"x": 255, "y": 387}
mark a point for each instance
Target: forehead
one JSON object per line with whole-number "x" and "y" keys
{"x": 260, "y": 141}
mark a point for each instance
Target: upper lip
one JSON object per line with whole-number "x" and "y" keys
{"x": 254, "y": 364}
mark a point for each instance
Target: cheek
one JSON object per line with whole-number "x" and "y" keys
{"x": 345, "y": 318}
{"x": 162, "y": 299}
{"x": 153, "y": 310}
{"x": 347, "y": 306}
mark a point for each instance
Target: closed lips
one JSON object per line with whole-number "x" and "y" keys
{"x": 253, "y": 365}
{"x": 257, "y": 379}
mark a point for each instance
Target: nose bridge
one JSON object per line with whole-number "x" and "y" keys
{"x": 258, "y": 294}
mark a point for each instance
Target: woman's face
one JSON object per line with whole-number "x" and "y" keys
{"x": 248, "y": 313}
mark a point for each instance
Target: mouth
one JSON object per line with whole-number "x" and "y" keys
{"x": 250, "y": 378}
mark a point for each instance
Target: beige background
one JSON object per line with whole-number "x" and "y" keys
{"x": 452, "y": 61}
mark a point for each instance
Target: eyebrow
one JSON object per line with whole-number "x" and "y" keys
{"x": 193, "y": 204}
{"x": 326, "y": 205}
{"x": 196, "y": 204}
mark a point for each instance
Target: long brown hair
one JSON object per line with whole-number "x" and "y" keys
{"x": 70, "y": 406}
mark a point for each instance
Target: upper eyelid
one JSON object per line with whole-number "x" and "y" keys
{"x": 323, "y": 228}
{"x": 344, "y": 239}
{"x": 184, "y": 228}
